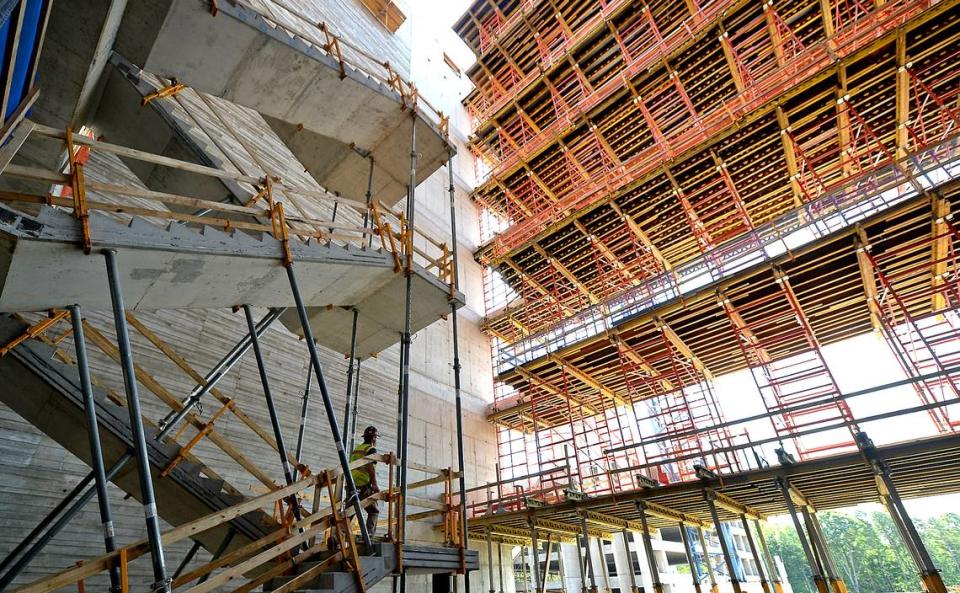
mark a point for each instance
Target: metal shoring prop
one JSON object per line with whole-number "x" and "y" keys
{"x": 304, "y": 406}
{"x": 161, "y": 580}
{"x": 714, "y": 588}
{"x": 405, "y": 348}
{"x": 634, "y": 588}
{"x": 356, "y": 407}
{"x": 93, "y": 433}
{"x": 274, "y": 420}
{"x": 186, "y": 559}
{"x": 327, "y": 402}
{"x": 648, "y": 548}
{"x": 349, "y": 394}
{"x": 213, "y": 377}
{"x": 587, "y": 555}
{"x": 708, "y": 495}
{"x": 764, "y": 584}
{"x": 71, "y": 504}
{"x": 455, "y": 279}
{"x": 772, "y": 570}
{"x": 691, "y": 561}
{"x": 818, "y": 579}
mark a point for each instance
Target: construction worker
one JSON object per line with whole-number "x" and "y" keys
{"x": 365, "y": 478}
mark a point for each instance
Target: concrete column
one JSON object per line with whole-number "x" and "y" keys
{"x": 929, "y": 573}
{"x": 691, "y": 562}
{"x": 724, "y": 544}
{"x": 706, "y": 561}
{"x": 815, "y": 569}
{"x": 772, "y": 569}
{"x": 756, "y": 555}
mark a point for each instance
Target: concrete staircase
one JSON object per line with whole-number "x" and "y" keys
{"x": 46, "y": 393}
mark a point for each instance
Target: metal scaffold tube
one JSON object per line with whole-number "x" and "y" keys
{"x": 405, "y": 349}
{"x": 354, "y": 498}
{"x": 83, "y": 492}
{"x": 304, "y": 407}
{"x": 815, "y": 571}
{"x": 229, "y": 360}
{"x": 724, "y": 544}
{"x": 349, "y": 389}
{"x": 648, "y": 548}
{"x": 455, "y": 282}
{"x": 93, "y": 435}
{"x": 761, "y": 573}
{"x": 691, "y": 560}
{"x": 272, "y": 410}
{"x": 148, "y": 499}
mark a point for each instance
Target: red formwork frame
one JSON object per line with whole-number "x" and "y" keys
{"x": 690, "y": 131}
{"x": 798, "y": 391}
{"x": 928, "y": 342}
{"x": 684, "y": 410}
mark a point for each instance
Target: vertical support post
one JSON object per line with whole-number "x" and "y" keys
{"x": 327, "y": 402}
{"x": 691, "y": 562}
{"x": 535, "y": 553}
{"x": 271, "y": 409}
{"x": 93, "y": 434}
{"x": 490, "y": 558}
{"x": 161, "y": 581}
{"x": 194, "y": 548}
{"x": 455, "y": 281}
{"x": 634, "y": 588}
{"x": 929, "y": 573}
{"x": 500, "y": 566}
{"x": 708, "y": 495}
{"x": 304, "y": 408}
{"x": 587, "y": 556}
{"x": 81, "y": 494}
{"x": 772, "y": 570}
{"x": 405, "y": 344}
{"x": 714, "y": 588}
{"x": 648, "y": 548}
{"x": 369, "y": 196}
{"x": 356, "y": 408}
{"x": 818, "y": 579}
{"x": 523, "y": 568}
{"x": 756, "y": 555}
{"x": 349, "y": 394}
{"x": 836, "y": 583}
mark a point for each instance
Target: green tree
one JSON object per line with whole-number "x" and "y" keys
{"x": 942, "y": 537}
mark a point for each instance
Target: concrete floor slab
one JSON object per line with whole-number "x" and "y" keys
{"x": 42, "y": 267}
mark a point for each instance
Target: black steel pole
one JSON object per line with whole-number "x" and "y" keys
{"x": 724, "y": 544}
{"x": 648, "y": 548}
{"x": 219, "y": 370}
{"x": 327, "y": 403}
{"x": 302, "y": 429}
{"x": 161, "y": 581}
{"x": 49, "y": 518}
{"x": 691, "y": 559}
{"x": 85, "y": 492}
{"x": 93, "y": 435}
{"x": 356, "y": 407}
{"x": 405, "y": 342}
{"x": 369, "y": 195}
{"x": 818, "y": 579}
{"x": 349, "y": 395}
{"x": 455, "y": 273}
{"x": 60, "y": 523}
{"x": 274, "y": 421}
{"x": 186, "y": 559}
{"x": 220, "y": 550}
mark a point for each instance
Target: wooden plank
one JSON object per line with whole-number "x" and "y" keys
{"x": 108, "y": 348}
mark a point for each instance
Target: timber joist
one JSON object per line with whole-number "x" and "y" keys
{"x": 831, "y": 286}
{"x": 795, "y": 146}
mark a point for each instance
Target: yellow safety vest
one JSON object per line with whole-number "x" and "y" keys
{"x": 360, "y": 476}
